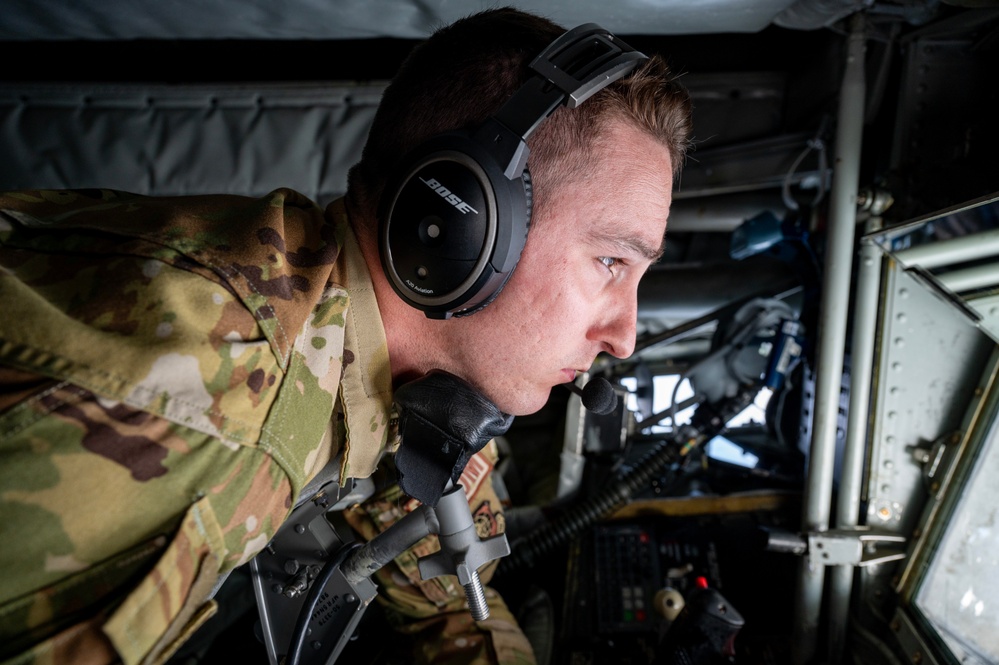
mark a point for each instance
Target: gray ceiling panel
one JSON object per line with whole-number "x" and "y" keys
{"x": 356, "y": 19}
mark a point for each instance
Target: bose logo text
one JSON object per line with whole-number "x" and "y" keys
{"x": 446, "y": 194}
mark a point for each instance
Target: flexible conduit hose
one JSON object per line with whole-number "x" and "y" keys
{"x": 560, "y": 530}
{"x": 567, "y": 525}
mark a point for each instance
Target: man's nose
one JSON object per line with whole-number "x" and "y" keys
{"x": 616, "y": 333}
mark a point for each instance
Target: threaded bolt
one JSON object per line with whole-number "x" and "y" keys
{"x": 476, "y": 597}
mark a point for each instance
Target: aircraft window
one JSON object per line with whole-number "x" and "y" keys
{"x": 724, "y": 449}
{"x": 959, "y": 594}
{"x": 720, "y": 447}
{"x": 939, "y": 295}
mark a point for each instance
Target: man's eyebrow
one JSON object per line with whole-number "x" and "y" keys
{"x": 630, "y": 243}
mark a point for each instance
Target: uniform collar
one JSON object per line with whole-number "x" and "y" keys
{"x": 366, "y": 383}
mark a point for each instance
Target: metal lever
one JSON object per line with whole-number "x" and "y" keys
{"x": 462, "y": 553}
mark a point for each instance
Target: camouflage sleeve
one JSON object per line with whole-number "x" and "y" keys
{"x": 121, "y": 522}
{"x": 434, "y": 613}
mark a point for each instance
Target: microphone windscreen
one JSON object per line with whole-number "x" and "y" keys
{"x": 599, "y": 397}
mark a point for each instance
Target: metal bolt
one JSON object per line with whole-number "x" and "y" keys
{"x": 299, "y": 528}
{"x": 317, "y": 645}
{"x": 291, "y": 566}
{"x": 277, "y": 588}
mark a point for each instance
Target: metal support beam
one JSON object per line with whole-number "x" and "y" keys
{"x": 968, "y": 247}
{"x": 832, "y": 336}
{"x": 865, "y": 321}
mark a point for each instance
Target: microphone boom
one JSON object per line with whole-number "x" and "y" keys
{"x": 597, "y": 395}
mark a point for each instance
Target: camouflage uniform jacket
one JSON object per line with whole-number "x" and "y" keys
{"x": 169, "y": 373}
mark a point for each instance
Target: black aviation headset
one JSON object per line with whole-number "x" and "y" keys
{"x": 454, "y": 218}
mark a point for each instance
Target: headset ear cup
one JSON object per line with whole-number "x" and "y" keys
{"x": 455, "y": 187}
{"x": 528, "y": 213}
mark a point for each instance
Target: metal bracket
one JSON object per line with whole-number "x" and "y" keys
{"x": 858, "y": 546}
{"x": 937, "y": 458}
{"x": 855, "y": 546}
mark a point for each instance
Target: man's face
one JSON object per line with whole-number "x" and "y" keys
{"x": 574, "y": 292}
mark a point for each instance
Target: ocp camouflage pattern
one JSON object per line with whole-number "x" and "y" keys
{"x": 168, "y": 370}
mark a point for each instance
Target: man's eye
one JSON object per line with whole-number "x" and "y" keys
{"x": 609, "y": 262}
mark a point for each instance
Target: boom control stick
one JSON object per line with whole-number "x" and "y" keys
{"x": 312, "y": 586}
{"x": 462, "y": 553}
{"x": 443, "y": 421}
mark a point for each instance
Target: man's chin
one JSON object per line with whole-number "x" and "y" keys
{"x": 523, "y": 403}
